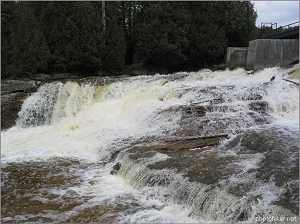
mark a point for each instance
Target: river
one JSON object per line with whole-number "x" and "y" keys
{"x": 190, "y": 147}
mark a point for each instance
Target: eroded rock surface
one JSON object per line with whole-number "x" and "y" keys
{"x": 241, "y": 165}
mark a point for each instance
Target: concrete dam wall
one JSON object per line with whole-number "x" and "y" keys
{"x": 263, "y": 53}
{"x": 236, "y": 56}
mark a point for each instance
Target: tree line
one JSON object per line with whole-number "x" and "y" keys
{"x": 74, "y": 36}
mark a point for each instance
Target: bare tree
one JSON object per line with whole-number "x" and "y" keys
{"x": 103, "y": 15}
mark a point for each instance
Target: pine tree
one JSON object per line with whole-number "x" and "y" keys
{"x": 84, "y": 35}
{"x": 30, "y": 51}
{"x": 115, "y": 45}
{"x": 238, "y": 18}
{"x": 8, "y": 25}
{"x": 75, "y": 37}
{"x": 189, "y": 34}
{"x": 69, "y": 36}
{"x": 129, "y": 11}
{"x": 161, "y": 33}
{"x": 206, "y": 35}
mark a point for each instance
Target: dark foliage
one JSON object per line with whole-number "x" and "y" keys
{"x": 70, "y": 37}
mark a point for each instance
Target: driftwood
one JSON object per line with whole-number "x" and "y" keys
{"x": 288, "y": 80}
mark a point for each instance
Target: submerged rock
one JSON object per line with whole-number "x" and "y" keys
{"x": 115, "y": 169}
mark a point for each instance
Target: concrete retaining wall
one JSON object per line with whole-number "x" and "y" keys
{"x": 236, "y": 56}
{"x": 263, "y": 53}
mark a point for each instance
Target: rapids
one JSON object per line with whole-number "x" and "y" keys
{"x": 190, "y": 147}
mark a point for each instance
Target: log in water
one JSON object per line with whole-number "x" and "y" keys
{"x": 200, "y": 147}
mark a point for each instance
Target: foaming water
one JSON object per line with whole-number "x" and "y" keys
{"x": 86, "y": 120}
{"x": 70, "y": 136}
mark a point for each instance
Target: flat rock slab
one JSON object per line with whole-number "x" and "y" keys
{"x": 239, "y": 165}
{"x": 11, "y": 86}
{"x": 188, "y": 156}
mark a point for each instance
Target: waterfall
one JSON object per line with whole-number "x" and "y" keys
{"x": 206, "y": 146}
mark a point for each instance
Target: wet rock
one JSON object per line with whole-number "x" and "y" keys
{"x": 139, "y": 72}
{"x": 55, "y": 76}
{"x": 115, "y": 169}
{"x": 260, "y": 106}
{"x": 238, "y": 166}
{"x": 13, "y": 94}
{"x": 59, "y": 76}
{"x": 189, "y": 111}
{"x": 41, "y": 77}
{"x": 11, "y": 86}
{"x": 188, "y": 156}
{"x": 280, "y": 163}
{"x": 10, "y": 106}
{"x": 181, "y": 144}
{"x": 221, "y": 66}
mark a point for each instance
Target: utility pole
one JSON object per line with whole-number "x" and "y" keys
{"x": 103, "y": 15}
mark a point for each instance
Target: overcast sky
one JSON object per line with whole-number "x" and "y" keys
{"x": 280, "y": 12}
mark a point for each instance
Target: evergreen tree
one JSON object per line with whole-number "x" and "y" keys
{"x": 129, "y": 11}
{"x": 84, "y": 32}
{"x": 238, "y": 18}
{"x": 161, "y": 33}
{"x": 74, "y": 34}
{"x": 207, "y": 37}
{"x": 30, "y": 50}
{"x": 54, "y": 17}
{"x": 192, "y": 33}
{"x": 115, "y": 45}
{"x": 8, "y": 21}
{"x": 69, "y": 36}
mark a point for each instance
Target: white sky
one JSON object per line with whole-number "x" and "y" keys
{"x": 280, "y": 12}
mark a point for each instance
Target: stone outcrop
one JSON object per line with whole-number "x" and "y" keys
{"x": 13, "y": 94}
{"x": 10, "y": 106}
{"x": 55, "y": 76}
{"x": 12, "y": 86}
{"x": 15, "y": 91}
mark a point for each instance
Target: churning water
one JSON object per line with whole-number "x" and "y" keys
{"x": 120, "y": 150}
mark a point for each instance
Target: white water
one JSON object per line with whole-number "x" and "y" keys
{"x": 90, "y": 122}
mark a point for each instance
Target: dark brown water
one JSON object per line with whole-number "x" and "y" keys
{"x": 55, "y": 191}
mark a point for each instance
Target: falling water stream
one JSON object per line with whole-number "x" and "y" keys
{"x": 126, "y": 150}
